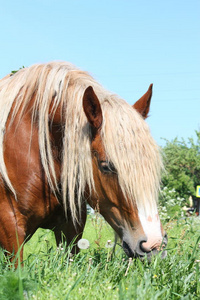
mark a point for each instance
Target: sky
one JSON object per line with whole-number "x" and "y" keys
{"x": 125, "y": 44}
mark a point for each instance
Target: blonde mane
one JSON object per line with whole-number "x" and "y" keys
{"x": 125, "y": 134}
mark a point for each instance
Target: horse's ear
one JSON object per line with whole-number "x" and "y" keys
{"x": 92, "y": 108}
{"x": 143, "y": 104}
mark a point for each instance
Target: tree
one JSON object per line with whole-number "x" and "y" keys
{"x": 182, "y": 166}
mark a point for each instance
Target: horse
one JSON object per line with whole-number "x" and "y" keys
{"x": 66, "y": 142}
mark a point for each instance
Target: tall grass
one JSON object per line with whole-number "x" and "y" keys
{"x": 97, "y": 273}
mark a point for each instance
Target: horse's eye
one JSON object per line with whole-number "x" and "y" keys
{"x": 106, "y": 167}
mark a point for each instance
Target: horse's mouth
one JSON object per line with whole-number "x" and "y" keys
{"x": 128, "y": 250}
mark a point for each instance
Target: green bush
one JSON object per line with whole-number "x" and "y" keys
{"x": 182, "y": 165}
{"x": 170, "y": 204}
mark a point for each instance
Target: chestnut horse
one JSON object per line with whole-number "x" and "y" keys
{"x": 65, "y": 142}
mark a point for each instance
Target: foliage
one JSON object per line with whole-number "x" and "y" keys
{"x": 170, "y": 205}
{"x": 50, "y": 273}
{"x": 15, "y": 71}
{"x": 182, "y": 165}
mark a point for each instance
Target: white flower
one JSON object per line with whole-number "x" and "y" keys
{"x": 60, "y": 248}
{"x": 83, "y": 244}
{"x": 109, "y": 244}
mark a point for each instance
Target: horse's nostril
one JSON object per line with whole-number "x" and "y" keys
{"x": 141, "y": 250}
{"x": 145, "y": 247}
{"x": 153, "y": 248}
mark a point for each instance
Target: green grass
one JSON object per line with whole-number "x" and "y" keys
{"x": 95, "y": 273}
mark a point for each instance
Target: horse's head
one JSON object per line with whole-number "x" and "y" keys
{"x": 138, "y": 227}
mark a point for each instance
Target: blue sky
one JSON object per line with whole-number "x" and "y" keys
{"x": 124, "y": 44}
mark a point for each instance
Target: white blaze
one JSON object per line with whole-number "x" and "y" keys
{"x": 152, "y": 229}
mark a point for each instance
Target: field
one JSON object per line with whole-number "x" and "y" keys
{"x": 98, "y": 273}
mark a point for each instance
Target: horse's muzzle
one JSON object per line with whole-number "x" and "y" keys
{"x": 140, "y": 250}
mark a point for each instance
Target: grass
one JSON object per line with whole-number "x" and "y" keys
{"x": 50, "y": 273}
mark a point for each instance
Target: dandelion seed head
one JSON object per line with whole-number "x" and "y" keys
{"x": 83, "y": 244}
{"x": 109, "y": 244}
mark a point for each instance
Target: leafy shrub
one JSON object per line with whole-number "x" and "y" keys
{"x": 170, "y": 204}
{"x": 182, "y": 165}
